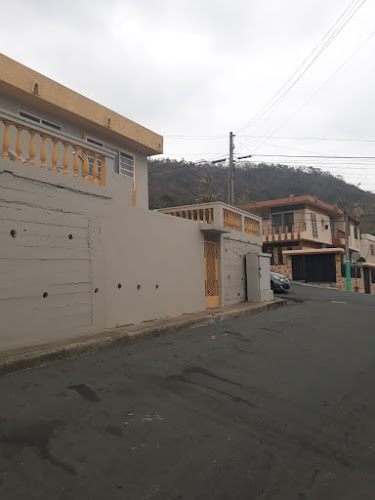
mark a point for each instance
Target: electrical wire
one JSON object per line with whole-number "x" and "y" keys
{"x": 319, "y": 89}
{"x": 328, "y": 38}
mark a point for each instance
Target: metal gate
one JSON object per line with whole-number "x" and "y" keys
{"x": 211, "y": 274}
{"x": 319, "y": 268}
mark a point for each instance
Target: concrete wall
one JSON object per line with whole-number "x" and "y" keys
{"x": 157, "y": 260}
{"x": 234, "y": 248}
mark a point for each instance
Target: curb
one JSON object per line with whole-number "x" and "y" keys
{"x": 45, "y": 354}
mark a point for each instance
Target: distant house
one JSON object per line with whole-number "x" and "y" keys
{"x": 306, "y": 238}
{"x": 368, "y": 247}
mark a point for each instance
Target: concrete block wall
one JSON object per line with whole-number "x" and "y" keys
{"x": 234, "y": 248}
{"x": 77, "y": 258}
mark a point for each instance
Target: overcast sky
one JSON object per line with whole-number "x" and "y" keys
{"x": 201, "y": 68}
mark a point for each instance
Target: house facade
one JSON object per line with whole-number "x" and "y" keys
{"x": 79, "y": 250}
{"x": 368, "y": 248}
{"x": 302, "y": 234}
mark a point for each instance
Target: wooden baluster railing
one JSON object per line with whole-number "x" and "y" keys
{"x": 95, "y": 169}
{"x": 66, "y": 159}
{"x": 54, "y": 156}
{"x": 19, "y": 144}
{"x": 6, "y": 140}
{"x": 32, "y": 148}
{"x": 75, "y": 163}
{"x": 204, "y": 216}
{"x": 43, "y": 152}
{"x": 85, "y": 168}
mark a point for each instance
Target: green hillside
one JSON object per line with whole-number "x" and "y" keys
{"x": 173, "y": 182}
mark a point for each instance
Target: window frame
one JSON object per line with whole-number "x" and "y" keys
{"x": 41, "y": 121}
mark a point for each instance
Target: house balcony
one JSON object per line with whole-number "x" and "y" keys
{"x": 293, "y": 233}
{"x": 35, "y": 146}
{"x": 339, "y": 239}
{"x": 218, "y": 215}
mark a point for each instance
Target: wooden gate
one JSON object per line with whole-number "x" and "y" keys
{"x": 211, "y": 274}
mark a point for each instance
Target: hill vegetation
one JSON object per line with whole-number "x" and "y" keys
{"x": 173, "y": 183}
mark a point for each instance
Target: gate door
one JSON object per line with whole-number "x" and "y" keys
{"x": 366, "y": 279}
{"x": 211, "y": 274}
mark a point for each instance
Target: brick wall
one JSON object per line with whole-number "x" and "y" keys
{"x": 284, "y": 268}
{"x": 357, "y": 284}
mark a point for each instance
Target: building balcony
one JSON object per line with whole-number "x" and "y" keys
{"x": 38, "y": 147}
{"x": 339, "y": 239}
{"x": 293, "y": 233}
{"x": 220, "y": 215}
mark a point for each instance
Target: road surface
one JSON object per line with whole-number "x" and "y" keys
{"x": 279, "y": 405}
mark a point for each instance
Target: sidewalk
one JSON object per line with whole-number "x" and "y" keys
{"x": 30, "y": 356}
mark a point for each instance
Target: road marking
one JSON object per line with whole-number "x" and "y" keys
{"x": 337, "y": 302}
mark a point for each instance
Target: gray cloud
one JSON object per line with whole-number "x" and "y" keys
{"x": 202, "y": 68}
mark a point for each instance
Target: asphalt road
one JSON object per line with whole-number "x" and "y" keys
{"x": 279, "y": 405}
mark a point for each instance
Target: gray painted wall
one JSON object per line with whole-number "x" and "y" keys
{"x": 157, "y": 259}
{"x": 235, "y": 246}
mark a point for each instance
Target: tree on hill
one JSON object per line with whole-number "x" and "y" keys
{"x": 182, "y": 180}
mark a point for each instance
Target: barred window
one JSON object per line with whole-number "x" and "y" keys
{"x": 126, "y": 164}
{"x": 314, "y": 225}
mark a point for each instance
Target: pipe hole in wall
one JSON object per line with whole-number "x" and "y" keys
{"x": 119, "y": 286}
{"x": 138, "y": 287}
{"x": 13, "y": 233}
{"x": 70, "y": 236}
{"x": 96, "y": 290}
{"x": 156, "y": 286}
{"x": 45, "y": 295}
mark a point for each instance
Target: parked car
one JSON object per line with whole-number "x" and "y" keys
{"x": 279, "y": 282}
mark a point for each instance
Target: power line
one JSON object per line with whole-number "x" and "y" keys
{"x": 316, "y": 156}
{"x": 329, "y": 139}
{"x": 308, "y": 62}
{"x": 319, "y": 88}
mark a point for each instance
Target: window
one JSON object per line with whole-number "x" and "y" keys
{"x": 356, "y": 232}
{"x": 126, "y": 165}
{"x": 280, "y": 259}
{"x": 332, "y": 224}
{"x": 283, "y": 220}
{"x": 372, "y": 249}
{"x": 314, "y": 225}
{"x": 35, "y": 119}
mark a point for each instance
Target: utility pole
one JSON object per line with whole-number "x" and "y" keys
{"x": 231, "y": 170}
{"x": 347, "y": 253}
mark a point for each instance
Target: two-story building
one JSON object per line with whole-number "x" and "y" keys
{"x": 79, "y": 250}
{"x": 368, "y": 248}
{"x": 303, "y": 234}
